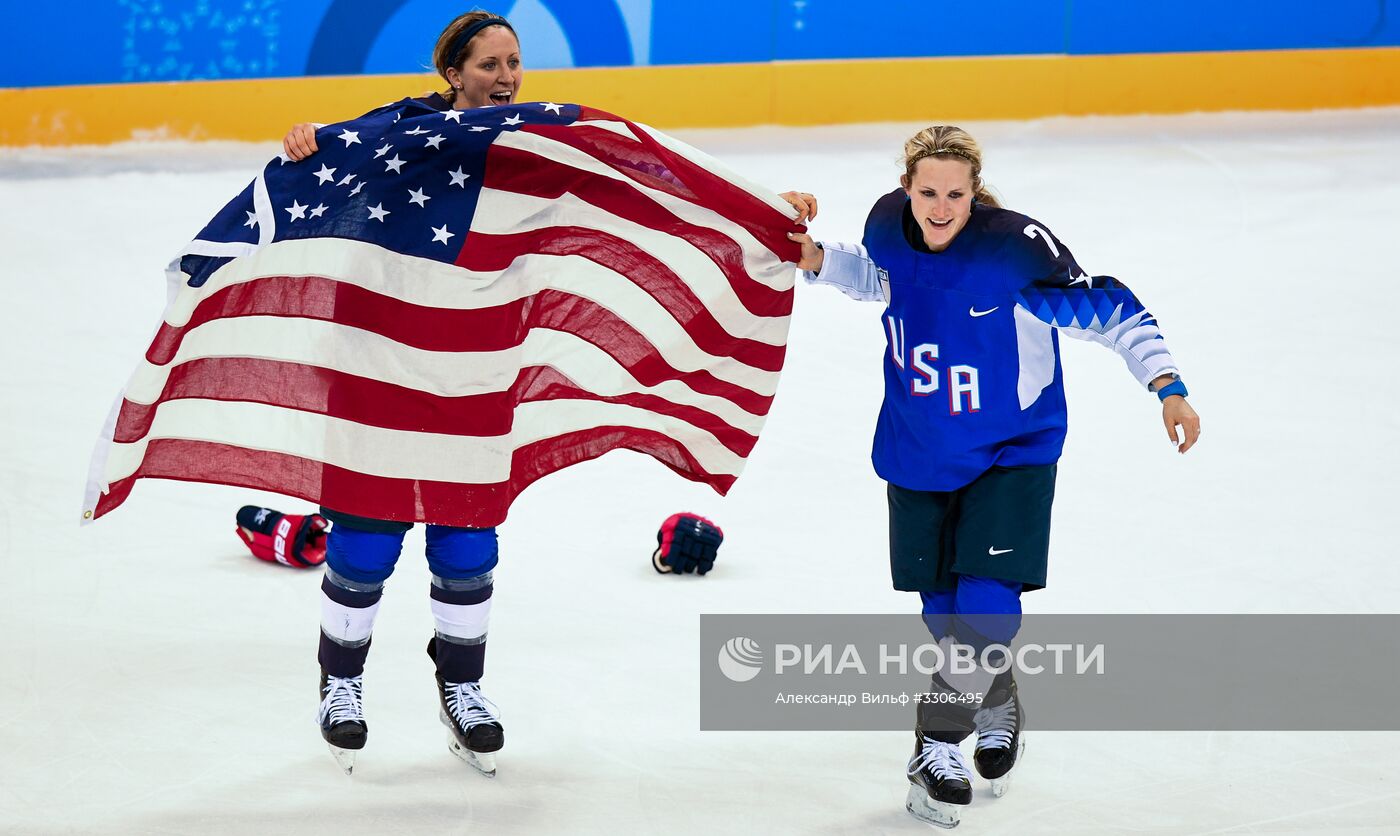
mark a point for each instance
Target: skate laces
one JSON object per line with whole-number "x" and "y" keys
{"x": 996, "y": 725}
{"x": 467, "y": 705}
{"x": 343, "y": 701}
{"x": 942, "y": 760}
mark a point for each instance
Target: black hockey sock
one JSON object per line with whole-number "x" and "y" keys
{"x": 459, "y": 662}
{"x": 945, "y": 714}
{"x": 348, "y": 610}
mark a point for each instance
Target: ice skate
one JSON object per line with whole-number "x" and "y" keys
{"x": 999, "y": 741}
{"x": 939, "y": 784}
{"x": 342, "y": 718}
{"x": 474, "y": 729}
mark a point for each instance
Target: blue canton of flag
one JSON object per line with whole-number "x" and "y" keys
{"x": 405, "y": 177}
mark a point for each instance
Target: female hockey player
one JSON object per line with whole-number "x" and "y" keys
{"x": 973, "y": 423}
{"x": 478, "y": 55}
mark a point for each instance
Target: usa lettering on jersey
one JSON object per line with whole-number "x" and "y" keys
{"x": 964, "y": 390}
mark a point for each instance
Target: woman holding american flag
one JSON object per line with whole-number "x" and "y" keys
{"x": 478, "y": 55}
{"x": 450, "y": 298}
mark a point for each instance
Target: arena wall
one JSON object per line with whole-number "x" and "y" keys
{"x": 246, "y": 69}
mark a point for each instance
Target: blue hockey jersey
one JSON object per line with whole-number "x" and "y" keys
{"x": 972, "y": 374}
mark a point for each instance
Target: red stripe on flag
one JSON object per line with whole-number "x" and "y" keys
{"x": 654, "y": 165}
{"x": 481, "y": 329}
{"x": 514, "y": 170}
{"x": 407, "y": 500}
{"x": 440, "y": 330}
{"x": 378, "y": 404}
{"x": 489, "y": 253}
{"x": 313, "y": 297}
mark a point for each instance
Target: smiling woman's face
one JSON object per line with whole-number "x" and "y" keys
{"x": 940, "y": 196}
{"x": 491, "y": 73}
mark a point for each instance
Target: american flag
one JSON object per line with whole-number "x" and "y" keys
{"x": 440, "y": 307}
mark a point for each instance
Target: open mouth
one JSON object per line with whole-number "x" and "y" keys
{"x": 502, "y": 97}
{"x": 939, "y": 224}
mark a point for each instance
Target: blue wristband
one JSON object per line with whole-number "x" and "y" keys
{"x": 1176, "y": 387}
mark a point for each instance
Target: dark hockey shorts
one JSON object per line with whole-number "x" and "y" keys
{"x": 369, "y": 524}
{"x": 996, "y": 527}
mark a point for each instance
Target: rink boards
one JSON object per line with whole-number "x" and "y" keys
{"x": 794, "y": 93}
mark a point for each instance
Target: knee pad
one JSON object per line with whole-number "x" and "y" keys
{"x": 988, "y": 609}
{"x": 364, "y": 557}
{"x": 461, "y": 552}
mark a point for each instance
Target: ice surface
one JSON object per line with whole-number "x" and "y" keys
{"x": 154, "y": 678}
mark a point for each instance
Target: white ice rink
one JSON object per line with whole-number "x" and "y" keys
{"x": 155, "y": 678}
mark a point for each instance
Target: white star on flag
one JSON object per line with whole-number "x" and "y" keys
{"x": 454, "y": 115}
{"x": 377, "y": 212}
{"x": 356, "y": 190}
{"x": 296, "y": 210}
{"x": 319, "y": 210}
{"x": 552, "y": 107}
{"x": 435, "y": 140}
{"x": 513, "y": 119}
{"x": 382, "y": 151}
{"x": 417, "y": 196}
{"x": 393, "y": 164}
{"x": 350, "y": 137}
{"x": 346, "y": 179}
{"x": 416, "y": 131}
{"x": 252, "y": 219}
{"x": 440, "y": 233}
{"x": 459, "y": 178}
{"x": 478, "y": 128}
{"x": 325, "y": 174}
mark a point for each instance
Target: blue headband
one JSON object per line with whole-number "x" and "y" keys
{"x": 470, "y": 32}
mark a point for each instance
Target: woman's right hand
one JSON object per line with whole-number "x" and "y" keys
{"x": 811, "y": 253}
{"x": 300, "y": 141}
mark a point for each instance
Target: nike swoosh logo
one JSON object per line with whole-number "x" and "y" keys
{"x": 993, "y": 551}
{"x": 974, "y": 312}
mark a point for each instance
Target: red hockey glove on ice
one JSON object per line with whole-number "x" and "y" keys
{"x": 686, "y": 543}
{"x": 289, "y": 539}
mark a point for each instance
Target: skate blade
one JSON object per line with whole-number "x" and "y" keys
{"x": 344, "y": 757}
{"x": 936, "y": 813}
{"x": 483, "y": 762}
{"x": 1002, "y": 784}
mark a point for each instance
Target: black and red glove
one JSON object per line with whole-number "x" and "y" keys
{"x": 289, "y": 539}
{"x": 686, "y": 543}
